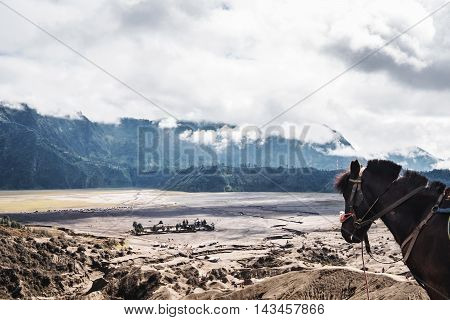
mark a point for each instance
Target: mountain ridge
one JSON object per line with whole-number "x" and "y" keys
{"x": 42, "y": 152}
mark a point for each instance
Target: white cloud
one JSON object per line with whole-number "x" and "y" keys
{"x": 12, "y": 105}
{"x": 167, "y": 123}
{"x": 224, "y": 136}
{"x": 444, "y": 164}
{"x": 346, "y": 151}
{"x": 240, "y": 135}
{"x": 238, "y": 62}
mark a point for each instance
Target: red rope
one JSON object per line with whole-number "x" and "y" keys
{"x": 364, "y": 270}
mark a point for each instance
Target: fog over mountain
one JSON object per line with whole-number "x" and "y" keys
{"x": 238, "y": 62}
{"x": 53, "y": 152}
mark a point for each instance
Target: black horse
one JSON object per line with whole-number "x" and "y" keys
{"x": 408, "y": 206}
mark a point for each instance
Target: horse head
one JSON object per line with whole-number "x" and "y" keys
{"x": 361, "y": 187}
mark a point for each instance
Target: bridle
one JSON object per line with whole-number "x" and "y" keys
{"x": 357, "y": 197}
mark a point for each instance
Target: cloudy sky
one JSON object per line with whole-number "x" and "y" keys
{"x": 238, "y": 62}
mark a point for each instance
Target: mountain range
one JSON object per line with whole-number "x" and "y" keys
{"x": 40, "y": 151}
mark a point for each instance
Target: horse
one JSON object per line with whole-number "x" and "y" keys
{"x": 408, "y": 205}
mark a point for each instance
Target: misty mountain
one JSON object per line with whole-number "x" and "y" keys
{"x": 38, "y": 151}
{"x": 414, "y": 159}
{"x": 48, "y": 152}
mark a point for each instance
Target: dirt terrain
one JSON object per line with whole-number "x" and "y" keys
{"x": 322, "y": 284}
{"x": 263, "y": 247}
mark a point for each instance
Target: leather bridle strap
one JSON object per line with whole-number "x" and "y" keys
{"x": 390, "y": 208}
{"x": 355, "y": 189}
{"x": 378, "y": 199}
{"x": 411, "y": 239}
{"x": 413, "y": 235}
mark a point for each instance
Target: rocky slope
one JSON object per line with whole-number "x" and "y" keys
{"x": 42, "y": 263}
{"x": 322, "y": 284}
{"x": 50, "y": 263}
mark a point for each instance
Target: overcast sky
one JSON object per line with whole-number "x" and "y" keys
{"x": 238, "y": 62}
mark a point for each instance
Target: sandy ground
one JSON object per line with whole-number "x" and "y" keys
{"x": 257, "y": 236}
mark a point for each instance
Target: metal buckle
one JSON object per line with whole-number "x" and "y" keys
{"x": 357, "y": 223}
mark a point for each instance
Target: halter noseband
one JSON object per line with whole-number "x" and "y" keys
{"x": 355, "y": 196}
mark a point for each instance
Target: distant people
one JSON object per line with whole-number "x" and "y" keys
{"x": 138, "y": 228}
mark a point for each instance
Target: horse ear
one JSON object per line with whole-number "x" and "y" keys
{"x": 355, "y": 167}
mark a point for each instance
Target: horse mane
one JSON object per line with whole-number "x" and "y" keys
{"x": 409, "y": 181}
{"x": 341, "y": 181}
{"x": 384, "y": 168}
